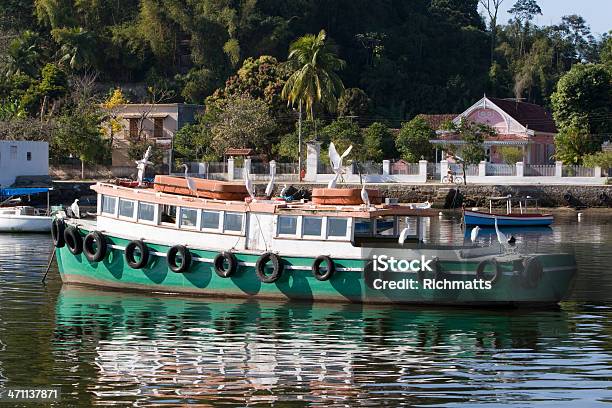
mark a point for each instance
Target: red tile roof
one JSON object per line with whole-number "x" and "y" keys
{"x": 435, "y": 121}
{"x": 532, "y": 116}
{"x": 238, "y": 152}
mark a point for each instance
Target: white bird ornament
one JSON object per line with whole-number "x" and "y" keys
{"x": 474, "y": 234}
{"x": 336, "y": 163}
{"x": 142, "y": 164}
{"x": 190, "y": 182}
{"x": 249, "y": 185}
{"x": 270, "y": 185}
{"x": 74, "y": 207}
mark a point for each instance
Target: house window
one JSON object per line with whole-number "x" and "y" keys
{"x": 336, "y": 227}
{"x": 311, "y": 226}
{"x": 126, "y": 208}
{"x": 189, "y": 217}
{"x": 232, "y": 222}
{"x": 13, "y": 152}
{"x": 287, "y": 225}
{"x": 146, "y": 212}
{"x": 108, "y": 204}
{"x": 29, "y": 156}
{"x": 158, "y": 127}
{"x": 168, "y": 215}
{"x": 210, "y": 220}
{"x": 133, "y": 127}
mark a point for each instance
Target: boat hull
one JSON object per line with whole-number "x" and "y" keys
{"x": 24, "y": 223}
{"x": 513, "y": 220}
{"x": 348, "y": 284}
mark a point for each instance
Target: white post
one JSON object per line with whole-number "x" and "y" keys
{"x": 520, "y": 169}
{"x": 313, "y": 151}
{"x": 597, "y": 171}
{"x": 300, "y": 143}
{"x": 558, "y": 169}
{"x": 230, "y": 168}
{"x": 423, "y": 171}
{"x": 482, "y": 169}
{"x": 443, "y": 169}
{"x": 386, "y": 167}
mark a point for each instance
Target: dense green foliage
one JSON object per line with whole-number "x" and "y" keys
{"x": 402, "y": 58}
{"x": 413, "y": 140}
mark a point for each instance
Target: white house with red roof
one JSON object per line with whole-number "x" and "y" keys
{"x": 521, "y": 124}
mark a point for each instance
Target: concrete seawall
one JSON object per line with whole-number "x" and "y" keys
{"x": 473, "y": 195}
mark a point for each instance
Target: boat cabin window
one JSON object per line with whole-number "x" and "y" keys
{"x": 210, "y": 220}
{"x": 146, "y": 212}
{"x": 126, "y": 208}
{"x": 287, "y": 224}
{"x": 363, "y": 226}
{"x": 312, "y": 226}
{"x": 168, "y": 215}
{"x": 108, "y": 204}
{"x": 337, "y": 227}
{"x": 385, "y": 226}
{"x": 232, "y": 222}
{"x": 189, "y": 217}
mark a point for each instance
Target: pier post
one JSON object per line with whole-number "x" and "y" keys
{"x": 520, "y": 169}
{"x": 423, "y": 171}
{"x": 230, "y": 168}
{"x": 313, "y": 151}
{"x": 597, "y": 171}
{"x": 482, "y": 169}
{"x": 386, "y": 167}
{"x": 443, "y": 169}
{"x": 558, "y": 169}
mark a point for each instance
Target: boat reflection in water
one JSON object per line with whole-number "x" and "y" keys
{"x": 150, "y": 348}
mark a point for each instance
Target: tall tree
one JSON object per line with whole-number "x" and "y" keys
{"x": 492, "y": 9}
{"x": 315, "y": 80}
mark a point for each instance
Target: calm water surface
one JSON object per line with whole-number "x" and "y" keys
{"x": 106, "y": 348}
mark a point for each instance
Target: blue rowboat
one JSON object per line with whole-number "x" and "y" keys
{"x": 485, "y": 219}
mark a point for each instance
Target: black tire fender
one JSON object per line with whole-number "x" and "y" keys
{"x": 57, "y": 232}
{"x": 185, "y": 255}
{"x": 532, "y": 272}
{"x": 73, "y": 240}
{"x": 481, "y": 267}
{"x": 220, "y": 261}
{"x": 316, "y": 268}
{"x": 277, "y": 267}
{"x": 99, "y": 252}
{"x": 130, "y": 250}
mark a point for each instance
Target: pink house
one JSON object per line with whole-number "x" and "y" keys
{"x": 525, "y": 125}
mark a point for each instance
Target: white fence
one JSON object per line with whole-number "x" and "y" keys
{"x": 400, "y": 172}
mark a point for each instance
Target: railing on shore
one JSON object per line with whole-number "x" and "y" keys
{"x": 577, "y": 171}
{"x": 539, "y": 170}
{"x": 385, "y": 172}
{"x": 500, "y": 169}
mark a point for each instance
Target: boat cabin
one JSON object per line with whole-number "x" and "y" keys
{"x": 257, "y": 225}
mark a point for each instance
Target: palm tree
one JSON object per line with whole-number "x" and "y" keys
{"x": 314, "y": 80}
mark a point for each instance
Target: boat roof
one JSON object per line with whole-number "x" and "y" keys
{"x": 13, "y": 191}
{"x": 257, "y": 205}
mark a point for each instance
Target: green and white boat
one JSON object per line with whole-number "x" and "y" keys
{"x": 155, "y": 240}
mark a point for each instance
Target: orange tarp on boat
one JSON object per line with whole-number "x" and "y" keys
{"x": 344, "y": 196}
{"x": 214, "y": 189}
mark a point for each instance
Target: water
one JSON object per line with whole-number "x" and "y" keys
{"x": 127, "y": 349}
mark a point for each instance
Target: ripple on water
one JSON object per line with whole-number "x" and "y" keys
{"x": 107, "y": 348}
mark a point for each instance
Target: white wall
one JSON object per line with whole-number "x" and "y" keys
{"x": 13, "y": 160}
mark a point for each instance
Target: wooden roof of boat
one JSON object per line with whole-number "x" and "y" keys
{"x": 257, "y": 205}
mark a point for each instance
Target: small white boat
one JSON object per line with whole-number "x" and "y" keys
{"x": 24, "y": 219}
